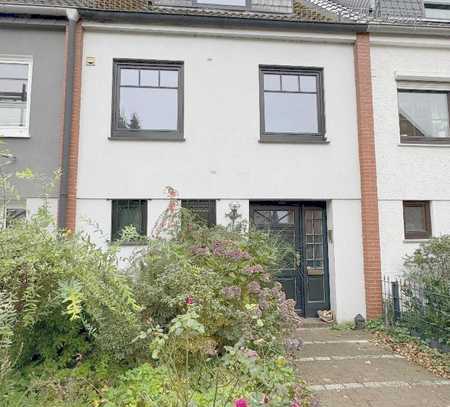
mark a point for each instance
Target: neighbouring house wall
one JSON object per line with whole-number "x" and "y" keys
{"x": 407, "y": 172}
{"x": 41, "y": 152}
{"x": 222, "y": 157}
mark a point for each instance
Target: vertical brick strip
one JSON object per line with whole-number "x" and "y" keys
{"x": 368, "y": 170}
{"x": 71, "y": 209}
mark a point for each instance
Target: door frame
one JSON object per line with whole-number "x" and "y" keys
{"x": 300, "y": 242}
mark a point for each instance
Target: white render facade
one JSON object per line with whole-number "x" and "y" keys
{"x": 408, "y": 172}
{"x": 222, "y": 158}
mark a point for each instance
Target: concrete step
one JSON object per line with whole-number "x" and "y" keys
{"x": 315, "y": 323}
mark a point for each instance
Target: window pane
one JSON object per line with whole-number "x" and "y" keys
{"x": 148, "y": 108}
{"x": 437, "y": 13}
{"x": 129, "y": 213}
{"x": 415, "y": 219}
{"x": 149, "y": 77}
{"x": 241, "y": 3}
{"x": 308, "y": 84}
{"x": 13, "y": 114}
{"x": 423, "y": 114}
{"x": 129, "y": 77}
{"x": 290, "y": 83}
{"x": 16, "y": 71}
{"x": 291, "y": 113}
{"x": 272, "y": 82}
{"x": 169, "y": 79}
{"x": 17, "y": 86}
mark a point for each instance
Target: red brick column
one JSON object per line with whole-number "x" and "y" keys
{"x": 368, "y": 170}
{"x": 71, "y": 209}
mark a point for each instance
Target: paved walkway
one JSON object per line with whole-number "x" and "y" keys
{"x": 344, "y": 369}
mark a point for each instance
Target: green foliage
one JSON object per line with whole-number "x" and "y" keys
{"x": 428, "y": 291}
{"x": 227, "y": 275}
{"x": 67, "y": 293}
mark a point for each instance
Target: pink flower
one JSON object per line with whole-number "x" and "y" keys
{"x": 295, "y": 404}
{"x": 241, "y": 403}
{"x": 189, "y": 301}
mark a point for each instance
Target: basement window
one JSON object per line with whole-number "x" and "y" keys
{"x": 417, "y": 219}
{"x": 203, "y": 209}
{"x": 128, "y": 212}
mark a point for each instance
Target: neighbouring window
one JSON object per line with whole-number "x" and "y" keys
{"x": 14, "y": 214}
{"x": 417, "y": 219}
{"x": 424, "y": 116}
{"x": 291, "y": 104}
{"x": 437, "y": 9}
{"x": 148, "y": 100}
{"x": 204, "y": 209}
{"x": 128, "y": 212}
{"x": 15, "y": 77}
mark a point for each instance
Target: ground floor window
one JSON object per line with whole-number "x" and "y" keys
{"x": 204, "y": 209}
{"x": 128, "y": 212}
{"x": 417, "y": 219}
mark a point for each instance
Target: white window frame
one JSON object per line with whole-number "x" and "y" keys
{"x": 19, "y": 131}
{"x": 438, "y": 3}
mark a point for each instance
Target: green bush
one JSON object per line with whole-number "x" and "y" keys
{"x": 226, "y": 275}
{"x": 68, "y": 295}
{"x": 427, "y": 291}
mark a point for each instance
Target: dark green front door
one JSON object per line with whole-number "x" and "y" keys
{"x": 302, "y": 225}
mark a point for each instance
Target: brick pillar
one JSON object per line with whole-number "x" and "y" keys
{"x": 71, "y": 209}
{"x": 368, "y": 171}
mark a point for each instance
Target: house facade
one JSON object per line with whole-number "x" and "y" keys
{"x": 31, "y": 109}
{"x": 319, "y": 121}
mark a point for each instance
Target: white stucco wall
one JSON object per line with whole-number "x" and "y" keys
{"x": 406, "y": 172}
{"x": 222, "y": 158}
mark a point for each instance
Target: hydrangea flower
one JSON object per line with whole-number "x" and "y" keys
{"x": 254, "y": 269}
{"x": 254, "y": 287}
{"x": 241, "y": 403}
{"x": 231, "y": 292}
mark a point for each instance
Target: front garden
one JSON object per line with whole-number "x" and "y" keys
{"x": 197, "y": 320}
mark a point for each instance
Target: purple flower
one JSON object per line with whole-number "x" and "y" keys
{"x": 254, "y": 269}
{"x": 295, "y": 404}
{"x": 231, "y": 292}
{"x": 189, "y": 300}
{"x": 241, "y": 403}
{"x": 254, "y": 287}
{"x": 237, "y": 255}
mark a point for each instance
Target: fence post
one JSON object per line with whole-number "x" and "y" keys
{"x": 396, "y": 300}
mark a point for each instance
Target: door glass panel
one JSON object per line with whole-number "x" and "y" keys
{"x": 315, "y": 289}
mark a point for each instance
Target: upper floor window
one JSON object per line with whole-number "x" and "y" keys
{"x": 291, "y": 105}
{"x": 417, "y": 219}
{"x": 15, "y": 84}
{"x": 437, "y": 9}
{"x": 424, "y": 116}
{"x": 148, "y": 100}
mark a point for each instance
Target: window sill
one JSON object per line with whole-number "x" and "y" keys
{"x": 14, "y": 133}
{"x": 292, "y": 139}
{"x": 131, "y": 244}
{"x": 417, "y": 240}
{"x": 432, "y": 145}
{"x": 145, "y": 138}
{"x": 425, "y": 141}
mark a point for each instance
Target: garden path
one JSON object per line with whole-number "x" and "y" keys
{"x": 345, "y": 369}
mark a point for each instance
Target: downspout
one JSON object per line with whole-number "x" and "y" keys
{"x": 72, "y": 17}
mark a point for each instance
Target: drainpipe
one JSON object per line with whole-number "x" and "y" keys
{"x": 72, "y": 16}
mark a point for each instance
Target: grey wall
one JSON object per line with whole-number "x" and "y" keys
{"x": 42, "y": 151}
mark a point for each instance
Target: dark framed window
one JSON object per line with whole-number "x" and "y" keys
{"x": 437, "y": 10}
{"x": 14, "y": 214}
{"x": 128, "y": 212}
{"x": 424, "y": 116}
{"x": 148, "y": 100}
{"x": 417, "y": 219}
{"x": 204, "y": 209}
{"x": 291, "y": 104}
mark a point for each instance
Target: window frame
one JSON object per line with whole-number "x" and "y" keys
{"x": 146, "y": 134}
{"x": 436, "y": 5}
{"x": 19, "y": 131}
{"x": 418, "y": 139}
{"x": 114, "y": 220}
{"x": 417, "y": 234}
{"x": 212, "y": 208}
{"x": 301, "y": 138}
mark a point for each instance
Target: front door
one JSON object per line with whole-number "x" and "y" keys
{"x": 302, "y": 226}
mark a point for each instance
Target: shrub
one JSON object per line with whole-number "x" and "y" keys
{"x": 45, "y": 273}
{"x": 226, "y": 275}
{"x": 428, "y": 290}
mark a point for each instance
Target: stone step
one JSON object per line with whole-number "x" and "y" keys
{"x": 315, "y": 323}
{"x": 341, "y": 348}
